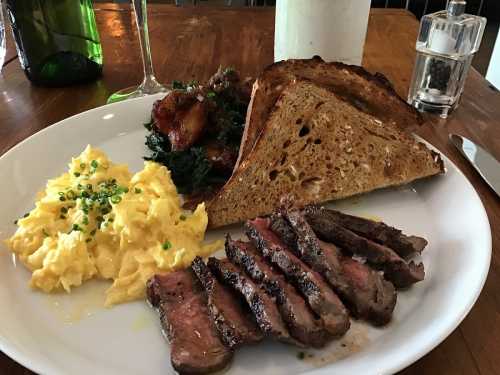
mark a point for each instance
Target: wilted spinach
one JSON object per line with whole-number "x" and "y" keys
{"x": 190, "y": 169}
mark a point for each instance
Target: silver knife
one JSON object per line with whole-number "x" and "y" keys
{"x": 486, "y": 165}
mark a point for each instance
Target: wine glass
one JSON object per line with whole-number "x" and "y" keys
{"x": 149, "y": 84}
{"x": 3, "y": 48}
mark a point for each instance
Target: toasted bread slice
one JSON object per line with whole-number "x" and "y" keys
{"x": 370, "y": 93}
{"x": 316, "y": 147}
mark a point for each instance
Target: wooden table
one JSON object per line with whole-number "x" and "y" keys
{"x": 192, "y": 42}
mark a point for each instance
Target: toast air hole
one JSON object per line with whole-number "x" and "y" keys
{"x": 283, "y": 158}
{"x": 290, "y": 175}
{"x": 319, "y": 105}
{"x": 303, "y": 131}
{"x": 273, "y": 174}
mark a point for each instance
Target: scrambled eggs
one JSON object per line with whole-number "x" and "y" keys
{"x": 99, "y": 221}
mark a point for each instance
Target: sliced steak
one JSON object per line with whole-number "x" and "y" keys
{"x": 322, "y": 300}
{"x": 181, "y": 302}
{"x": 396, "y": 269}
{"x": 369, "y": 296}
{"x": 363, "y": 290}
{"x": 405, "y": 246}
{"x": 263, "y": 307}
{"x": 235, "y": 324}
{"x": 300, "y": 320}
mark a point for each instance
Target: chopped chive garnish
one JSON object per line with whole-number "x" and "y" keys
{"x": 71, "y": 195}
{"x": 166, "y": 245}
{"x": 61, "y": 193}
{"x": 99, "y": 218}
{"x": 76, "y": 227}
{"x": 26, "y": 214}
{"x": 94, "y": 164}
{"x": 92, "y": 232}
{"x": 79, "y": 187}
{"x": 45, "y": 233}
{"x": 110, "y": 220}
{"x": 85, "y": 220}
{"x": 62, "y": 216}
{"x": 182, "y": 217}
{"x": 15, "y": 222}
{"x": 89, "y": 186}
{"x": 116, "y": 199}
{"x": 88, "y": 240}
{"x": 76, "y": 174}
{"x": 82, "y": 165}
{"x": 137, "y": 190}
{"x": 64, "y": 210}
{"x": 62, "y": 199}
{"x": 121, "y": 189}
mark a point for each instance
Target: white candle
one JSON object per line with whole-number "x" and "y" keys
{"x": 332, "y": 29}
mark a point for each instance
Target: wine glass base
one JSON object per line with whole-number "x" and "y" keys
{"x": 134, "y": 92}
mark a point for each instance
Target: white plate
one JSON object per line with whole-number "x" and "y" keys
{"x": 45, "y": 334}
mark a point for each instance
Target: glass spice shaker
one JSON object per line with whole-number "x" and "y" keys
{"x": 446, "y": 44}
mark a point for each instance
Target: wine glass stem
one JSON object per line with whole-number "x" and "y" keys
{"x": 141, "y": 18}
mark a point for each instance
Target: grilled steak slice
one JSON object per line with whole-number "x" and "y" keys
{"x": 369, "y": 296}
{"x": 382, "y": 233}
{"x": 322, "y": 300}
{"x": 195, "y": 344}
{"x": 300, "y": 321}
{"x": 396, "y": 269}
{"x": 235, "y": 325}
{"x": 281, "y": 227}
{"x": 263, "y": 307}
{"x": 364, "y": 290}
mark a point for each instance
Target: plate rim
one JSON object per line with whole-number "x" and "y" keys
{"x": 10, "y": 349}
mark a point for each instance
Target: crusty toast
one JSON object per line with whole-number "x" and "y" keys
{"x": 370, "y": 93}
{"x": 317, "y": 146}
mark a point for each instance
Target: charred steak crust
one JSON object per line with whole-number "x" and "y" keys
{"x": 280, "y": 226}
{"x": 262, "y": 306}
{"x": 300, "y": 321}
{"x": 195, "y": 344}
{"x": 362, "y": 289}
{"x": 235, "y": 325}
{"x": 322, "y": 300}
{"x": 379, "y": 232}
{"x": 396, "y": 269}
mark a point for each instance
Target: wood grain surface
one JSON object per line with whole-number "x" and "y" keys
{"x": 192, "y": 42}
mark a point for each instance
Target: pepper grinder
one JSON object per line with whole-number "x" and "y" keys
{"x": 446, "y": 44}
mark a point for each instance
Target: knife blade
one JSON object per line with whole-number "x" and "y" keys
{"x": 484, "y": 163}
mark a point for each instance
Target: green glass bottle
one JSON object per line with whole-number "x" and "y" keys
{"x": 57, "y": 40}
